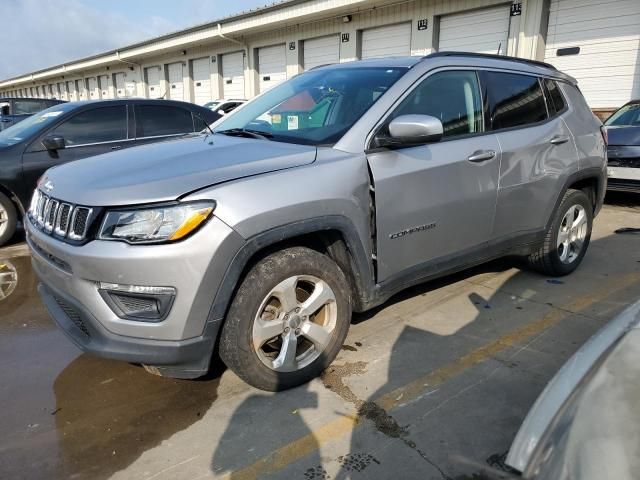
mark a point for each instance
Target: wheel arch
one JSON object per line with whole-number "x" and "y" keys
{"x": 14, "y": 199}
{"x": 334, "y": 236}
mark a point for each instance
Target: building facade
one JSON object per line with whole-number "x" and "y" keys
{"x": 596, "y": 41}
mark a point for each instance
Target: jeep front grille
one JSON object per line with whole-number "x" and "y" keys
{"x": 58, "y": 218}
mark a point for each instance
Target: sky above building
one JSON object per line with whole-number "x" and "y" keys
{"x": 42, "y": 33}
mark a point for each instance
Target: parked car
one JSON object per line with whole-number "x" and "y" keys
{"x": 14, "y": 110}
{"x": 585, "y": 423}
{"x": 623, "y": 129}
{"x": 325, "y": 195}
{"x": 222, "y": 106}
{"x": 70, "y": 131}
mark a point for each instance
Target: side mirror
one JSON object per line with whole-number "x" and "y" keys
{"x": 416, "y": 129}
{"x": 53, "y": 143}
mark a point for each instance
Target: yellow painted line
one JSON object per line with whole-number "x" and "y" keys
{"x": 339, "y": 427}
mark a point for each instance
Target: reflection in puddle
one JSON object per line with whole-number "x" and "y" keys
{"x": 70, "y": 415}
{"x": 8, "y": 278}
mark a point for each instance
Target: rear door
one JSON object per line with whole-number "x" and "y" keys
{"x": 157, "y": 122}
{"x": 89, "y": 132}
{"x": 436, "y": 202}
{"x": 538, "y": 153}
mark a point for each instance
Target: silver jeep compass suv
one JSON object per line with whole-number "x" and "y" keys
{"x": 325, "y": 195}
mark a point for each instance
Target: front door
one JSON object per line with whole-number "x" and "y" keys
{"x": 435, "y": 203}
{"x": 90, "y": 132}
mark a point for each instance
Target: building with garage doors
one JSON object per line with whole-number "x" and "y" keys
{"x": 596, "y": 41}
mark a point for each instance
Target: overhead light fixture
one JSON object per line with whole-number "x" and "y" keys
{"x": 183, "y": 52}
{"x": 346, "y": 19}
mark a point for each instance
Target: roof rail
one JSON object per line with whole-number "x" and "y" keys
{"x": 491, "y": 56}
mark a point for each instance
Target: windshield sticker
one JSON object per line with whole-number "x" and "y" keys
{"x": 276, "y": 118}
{"x": 292, "y": 122}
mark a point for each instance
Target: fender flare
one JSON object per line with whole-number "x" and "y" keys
{"x": 361, "y": 265}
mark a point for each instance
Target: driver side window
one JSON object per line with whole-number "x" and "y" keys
{"x": 453, "y": 97}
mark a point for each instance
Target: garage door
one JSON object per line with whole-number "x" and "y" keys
{"x": 272, "y": 66}
{"x": 479, "y": 31}
{"x": 62, "y": 88}
{"x": 233, "y": 75}
{"x": 94, "y": 91}
{"x": 81, "y": 87}
{"x": 321, "y": 51}
{"x": 201, "y": 80}
{"x": 597, "y": 43}
{"x": 104, "y": 82}
{"x": 121, "y": 91}
{"x": 71, "y": 89}
{"x": 176, "y": 81}
{"x": 153, "y": 82}
{"x": 392, "y": 40}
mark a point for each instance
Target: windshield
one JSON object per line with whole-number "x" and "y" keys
{"x": 315, "y": 108}
{"x": 31, "y": 125}
{"x": 629, "y": 115}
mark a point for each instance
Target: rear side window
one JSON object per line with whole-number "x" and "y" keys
{"x": 514, "y": 100}
{"x": 159, "y": 120}
{"x": 555, "y": 100}
{"x": 452, "y": 97}
{"x": 104, "y": 124}
{"x": 27, "y": 107}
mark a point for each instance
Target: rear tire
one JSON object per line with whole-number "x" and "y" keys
{"x": 288, "y": 319}
{"x": 568, "y": 237}
{"x": 8, "y": 219}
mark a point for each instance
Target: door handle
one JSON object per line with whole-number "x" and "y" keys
{"x": 559, "y": 140}
{"x": 5, "y": 120}
{"x": 116, "y": 147}
{"x": 481, "y": 156}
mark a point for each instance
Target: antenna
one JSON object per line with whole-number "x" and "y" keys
{"x": 499, "y": 47}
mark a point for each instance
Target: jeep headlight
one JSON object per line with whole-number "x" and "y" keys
{"x": 155, "y": 224}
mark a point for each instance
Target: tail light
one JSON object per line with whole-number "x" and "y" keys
{"x": 605, "y": 135}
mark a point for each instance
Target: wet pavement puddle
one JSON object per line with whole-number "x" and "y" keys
{"x": 68, "y": 414}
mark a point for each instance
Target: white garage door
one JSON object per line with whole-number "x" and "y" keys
{"x": 176, "y": 81}
{"x": 104, "y": 82}
{"x": 153, "y": 82}
{"x": 71, "y": 88}
{"x": 272, "y": 66}
{"x": 62, "y": 88}
{"x": 479, "y": 31}
{"x": 392, "y": 40}
{"x": 597, "y": 43}
{"x": 121, "y": 91}
{"x": 321, "y": 51}
{"x": 233, "y": 75}
{"x": 94, "y": 91}
{"x": 81, "y": 87}
{"x": 201, "y": 80}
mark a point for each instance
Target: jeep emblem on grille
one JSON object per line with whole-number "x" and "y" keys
{"x": 48, "y": 185}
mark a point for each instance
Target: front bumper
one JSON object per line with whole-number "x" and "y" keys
{"x": 626, "y": 179}
{"x": 180, "y": 344}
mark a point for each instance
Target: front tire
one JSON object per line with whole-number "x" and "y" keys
{"x": 288, "y": 320}
{"x": 568, "y": 236}
{"x": 8, "y": 219}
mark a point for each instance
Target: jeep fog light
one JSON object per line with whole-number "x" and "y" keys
{"x": 138, "y": 302}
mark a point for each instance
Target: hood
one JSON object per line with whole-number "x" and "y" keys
{"x": 624, "y": 136}
{"x": 167, "y": 170}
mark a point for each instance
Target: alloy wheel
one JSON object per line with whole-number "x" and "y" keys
{"x": 295, "y": 323}
{"x": 572, "y": 233}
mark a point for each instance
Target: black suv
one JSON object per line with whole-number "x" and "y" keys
{"x": 71, "y": 131}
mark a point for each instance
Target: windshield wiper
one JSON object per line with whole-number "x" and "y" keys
{"x": 243, "y": 132}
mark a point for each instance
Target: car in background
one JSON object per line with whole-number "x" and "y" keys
{"x": 584, "y": 425}
{"x": 222, "y": 106}
{"x": 75, "y": 130}
{"x": 623, "y": 129}
{"x": 14, "y": 110}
